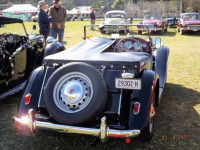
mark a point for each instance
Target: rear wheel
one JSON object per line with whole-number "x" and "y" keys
{"x": 181, "y": 32}
{"x": 162, "y": 31}
{"x": 166, "y": 29}
{"x": 139, "y": 32}
{"x": 147, "y": 132}
{"x": 102, "y": 31}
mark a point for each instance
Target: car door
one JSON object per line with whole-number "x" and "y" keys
{"x": 19, "y": 64}
{"x": 12, "y": 62}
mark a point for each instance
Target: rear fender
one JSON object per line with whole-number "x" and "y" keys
{"x": 161, "y": 59}
{"x": 33, "y": 87}
{"x": 53, "y": 48}
{"x": 144, "y": 97}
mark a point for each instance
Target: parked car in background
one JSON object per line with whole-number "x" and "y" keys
{"x": 172, "y": 21}
{"x": 189, "y": 22}
{"x": 104, "y": 87}
{"x": 34, "y": 18}
{"x": 115, "y": 21}
{"x": 156, "y": 24}
{"x": 20, "y": 53}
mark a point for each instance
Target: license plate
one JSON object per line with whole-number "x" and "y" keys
{"x": 128, "y": 84}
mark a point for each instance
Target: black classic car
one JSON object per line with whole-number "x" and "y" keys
{"x": 105, "y": 87}
{"x": 172, "y": 21}
{"x": 20, "y": 53}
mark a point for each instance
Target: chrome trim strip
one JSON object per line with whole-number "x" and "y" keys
{"x": 42, "y": 87}
{"x": 120, "y": 101}
{"x": 13, "y": 91}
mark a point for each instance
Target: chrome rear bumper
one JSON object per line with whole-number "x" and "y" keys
{"x": 103, "y": 132}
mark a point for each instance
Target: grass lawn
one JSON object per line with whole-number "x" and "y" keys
{"x": 178, "y": 116}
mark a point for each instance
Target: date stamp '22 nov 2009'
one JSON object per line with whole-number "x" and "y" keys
{"x": 175, "y": 137}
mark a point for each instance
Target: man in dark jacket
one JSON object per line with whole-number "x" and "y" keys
{"x": 58, "y": 14}
{"x": 43, "y": 19}
{"x": 92, "y": 18}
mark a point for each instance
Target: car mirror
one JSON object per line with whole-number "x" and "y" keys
{"x": 157, "y": 43}
{"x": 34, "y": 27}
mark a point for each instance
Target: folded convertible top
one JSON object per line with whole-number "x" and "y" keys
{"x": 6, "y": 20}
{"x": 92, "y": 51}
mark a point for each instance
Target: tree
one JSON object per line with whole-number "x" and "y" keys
{"x": 97, "y": 5}
{"x": 118, "y": 4}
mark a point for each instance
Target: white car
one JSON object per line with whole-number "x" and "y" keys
{"x": 115, "y": 21}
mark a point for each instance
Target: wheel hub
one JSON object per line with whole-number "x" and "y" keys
{"x": 73, "y": 92}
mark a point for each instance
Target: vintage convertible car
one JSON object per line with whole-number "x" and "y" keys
{"x": 156, "y": 24}
{"x": 20, "y": 53}
{"x": 189, "y": 22}
{"x": 111, "y": 19}
{"x": 172, "y": 21}
{"x": 105, "y": 87}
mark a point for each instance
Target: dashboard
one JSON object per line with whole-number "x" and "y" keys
{"x": 11, "y": 41}
{"x": 132, "y": 45}
{"x": 9, "y": 38}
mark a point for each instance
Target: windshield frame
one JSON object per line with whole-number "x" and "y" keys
{"x": 190, "y": 16}
{"x": 9, "y": 21}
{"x": 109, "y": 15}
{"x": 152, "y": 17}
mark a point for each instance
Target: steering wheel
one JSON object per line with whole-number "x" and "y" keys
{"x": 10, "y": 41}
{"x": 120, "y": 46}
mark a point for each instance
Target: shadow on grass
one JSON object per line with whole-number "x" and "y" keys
{"x": 168, "y": 33}
{"x": 191, "y": 33}
{"x": 175, "y": 117}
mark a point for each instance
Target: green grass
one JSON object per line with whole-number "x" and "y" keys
{"x": 178, "y": 116}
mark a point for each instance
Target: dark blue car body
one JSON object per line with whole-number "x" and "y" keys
{"x": 124, "y": 109}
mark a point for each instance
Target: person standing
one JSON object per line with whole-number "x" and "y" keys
{"x": 43, "y": 19}
{"x": 58, "y": 14}
{"x": 92, "y": 18}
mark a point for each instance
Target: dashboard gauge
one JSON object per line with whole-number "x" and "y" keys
{"x": 144, "y": 45}
{"x": 138, "y": 46}
{"x": 128, "y": 45}
{"x": 2, "y": 39}
{"x": 10, "y": 38}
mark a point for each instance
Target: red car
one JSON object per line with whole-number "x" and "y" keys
{"x": 189, "y": 22}
{"x": 156, "y": 24}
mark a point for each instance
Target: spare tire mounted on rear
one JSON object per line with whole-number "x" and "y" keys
{"x": 75, "y": 93}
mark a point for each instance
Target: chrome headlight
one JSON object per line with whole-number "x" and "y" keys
{"x": 183, "y": 23}
{"x": 159, "y": 23}
{"x": 50, "y": 40}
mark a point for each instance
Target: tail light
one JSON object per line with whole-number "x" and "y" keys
{"x": 128, "y": 141}
{"x": 27, "y": 99}
{"x": 136, "y": 107}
